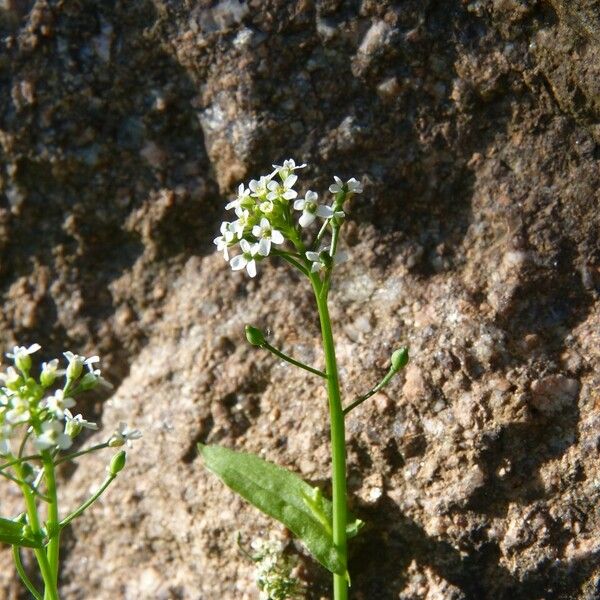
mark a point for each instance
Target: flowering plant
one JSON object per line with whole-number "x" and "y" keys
{"x": 36, "y": 427}
{"x": 266, "y": 225}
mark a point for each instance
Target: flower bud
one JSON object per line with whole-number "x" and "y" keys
{"x": 48, "y": 374}
{"x": 23, "y": 361}
{"x": 255, "y": 336}
{"x": 75, "y": 367}
{"x": 88, "y": 382}
{"x": 399, "y": 359}
{"x": 117, "y": 463}
{"x": 12, "y": 379}
{"x": 73, "y": 428}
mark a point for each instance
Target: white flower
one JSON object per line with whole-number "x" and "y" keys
{"x": 242, "y": 223}
{"x": 282, "y": 190}
{"x": 58, "y": 403}
{"x": 351, "y": 186}
{"x": 52, "y": 436}
{"x": 259, "y": 188}
{"x": 93, "y": 378}
{"x": 20, "y": 355}
{"x": 19, "y": 351}
{"x": 319, "y": 259}
{"x": 77, "y": 362}
{"x": 19, "y": 413}
{"x": 11, "y": 377}
{"x": 266, "y": 206}
{"x": 266, "y": 235}
{"x": 224, "y": 240}
{"x": 288, "y": 167}
{"x": 76, "y": 423}
{"x": 243, "y": 198}
{"x": 246, "y": 259}
{"x": 123, "y": 434}
{"x": 311, "y": 210}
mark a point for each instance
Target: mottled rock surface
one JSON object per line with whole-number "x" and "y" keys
{"x": 475, "y": 128}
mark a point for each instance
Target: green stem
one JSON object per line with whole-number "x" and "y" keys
{"x": 51, "y": 592}
{"x": 338, "y": 441}
{"x": 73, "y": 455}
{"x": 88, "y": 502}
{"x": 53, "y": 548}
{"x": 291, "y": 260}
{"x": 293, "y": 361}
{"x": 16, "y": 461}
{"x": 23, "y": 575}
{"x": 358, "y": 401}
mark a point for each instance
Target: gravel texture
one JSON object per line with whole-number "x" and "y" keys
{"x": 475, "y": 129}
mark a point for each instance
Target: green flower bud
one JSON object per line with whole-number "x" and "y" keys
{"x": 88, "y": 382}
{"x": 12, "y": 379}
{"x": 23, "y": 362}
{"x": 399, "y": 359}
{"x": 75, "y": 367}
{"x": 255, "y": 336}
{"x": 73, "y": 428}
{"x": 117, "y": 463}
{"x": 49, "y": 372}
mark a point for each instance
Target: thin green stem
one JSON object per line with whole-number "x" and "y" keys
{"x": 291, "y": 260}
{"x": 320, "y": 234}
{"x": 73, "y": 455}
{"x": 88, "y": 502}
{"x": 338, "y": 441}
{"x": 360, "y": 399}
{"x": 51, "y": 592}
{"x": 19, "y": 460}
{"x": 293, "y": 361}
{"x": 23, "y": 575}
{"x": 53, "y": 548}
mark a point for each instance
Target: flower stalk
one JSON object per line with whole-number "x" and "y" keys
{"x": 265, "y": 217}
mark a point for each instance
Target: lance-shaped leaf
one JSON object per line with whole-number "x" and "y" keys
{"x": 280, "y": 494}
{"x": 15, "y": 534}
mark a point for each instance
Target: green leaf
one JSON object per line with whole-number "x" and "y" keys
{"x": 281, "y": 495}
{"x": 15, "y": 534}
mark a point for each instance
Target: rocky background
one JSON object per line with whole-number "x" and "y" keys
{"x": 475, "y": 129}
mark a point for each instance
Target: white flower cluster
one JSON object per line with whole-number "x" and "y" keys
{"x": 27, "y": 406}
{"x": 264, "y": 212}
{"x": 274, "y": 571}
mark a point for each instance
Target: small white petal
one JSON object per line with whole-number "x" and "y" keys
{"x": 251, "y": 268}
{"x": 325, "y": 212}
{"x": 257, "y": 231}
{"x": 306, "y": 218}
{"x": 290, "y": 194}
{"x": 238, "y": 262}
{"x": 264, "y": 247}
{"x": 277, "y": 237}
{"x": 245, "y": 246}
{"x": 289, "y": 181}
{"x": 312, "y": 256}
{"x": 299, "y": 204}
